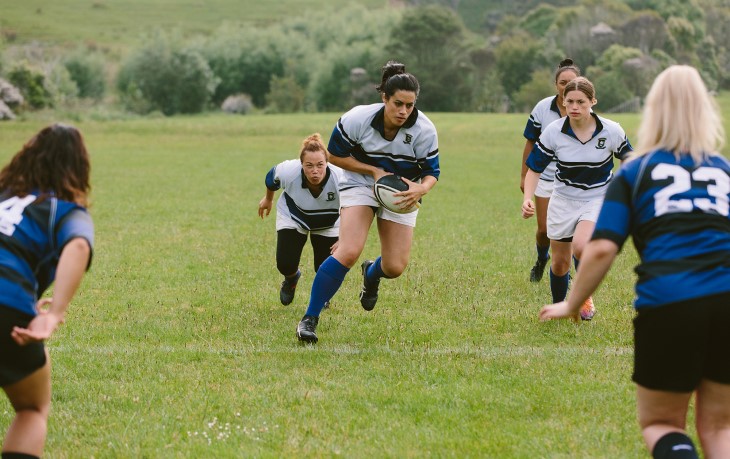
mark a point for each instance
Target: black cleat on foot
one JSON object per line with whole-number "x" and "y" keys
{"x": 537, "y": 271}
{"x": 288, "y": 288}
{"x": 307, "y": 328}
{"x": 369, "y": 293}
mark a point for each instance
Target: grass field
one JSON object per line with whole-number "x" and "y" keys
{"x": 122, "y": 23}
{"x": 177, "y": 345}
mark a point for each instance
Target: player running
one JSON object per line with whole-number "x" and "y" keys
{"x": 368, "y": 142}
{"x": 583, "y": 146}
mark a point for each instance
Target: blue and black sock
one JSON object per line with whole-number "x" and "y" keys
{"x": 559, "y": 286}
{"x": 674, "y": 445}
{"x": 543, "y": 253}
{"x": 375, "y": 271}
{"x": 326, "y": 282}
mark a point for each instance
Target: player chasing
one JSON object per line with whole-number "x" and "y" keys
{"x": 45, "y": 232}
{"x": 309, "y": 204}
{"x": 368, "y": 142}
{"x": 545, "y": 112}
{"x": 673, "y": 199}
{"x": 583, "y": 146}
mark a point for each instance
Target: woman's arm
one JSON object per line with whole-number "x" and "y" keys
{"x": 529, "y": 144}
{"x": 594, "y": 264}
{"x": 69, "y": 272}
{"x": 351, "y": 164}
{"x": 528, "y": 207}
{"x": 266, "y": 203}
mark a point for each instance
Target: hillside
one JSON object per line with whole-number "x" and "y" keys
{"x": 121, "y": 23}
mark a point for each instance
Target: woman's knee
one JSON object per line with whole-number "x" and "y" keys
{"x": 394, "y": 268}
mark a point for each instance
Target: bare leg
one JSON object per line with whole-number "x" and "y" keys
{"x": 541, "y": 209}
{"x": 395, "y": 246}
{"x": 354, "y": 227}
{"x": 660, "y": 413}
{"x": 31, "y": 399}
{"x": 713, "y": 418}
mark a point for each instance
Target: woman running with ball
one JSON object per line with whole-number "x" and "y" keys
{"x": 368, "y": 142}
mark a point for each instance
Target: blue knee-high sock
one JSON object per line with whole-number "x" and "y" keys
{"x": 542, "y": 252}
{"x": 375, "y": 271}
{"x": 326, "y": 282}
{"x": 559, "y": 286}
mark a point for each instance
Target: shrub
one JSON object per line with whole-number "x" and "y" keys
{"x": 31, "y": 85}
{"x": 87, "y": 71}
{"x": 237, "y": 103}
{"x": 167, "y": 77}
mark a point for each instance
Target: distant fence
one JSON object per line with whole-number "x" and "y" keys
{"x": 630, "y": 106}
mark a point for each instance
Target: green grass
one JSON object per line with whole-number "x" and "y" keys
{"x": 177, "y": 346}
{"x": 115, "y": 23}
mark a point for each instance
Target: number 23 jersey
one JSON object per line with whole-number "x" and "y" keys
{"x": 678, "y": 216}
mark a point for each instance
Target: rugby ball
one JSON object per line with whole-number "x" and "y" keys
{"x": 384, "y": 190}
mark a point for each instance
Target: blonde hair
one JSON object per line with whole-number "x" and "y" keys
{"x": 313, "y": 143}
{"x": 680, "y": 116}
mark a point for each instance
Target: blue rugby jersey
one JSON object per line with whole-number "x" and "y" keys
{"x": 412, "y": 154}
{"x": 33, "y": 232}
{"x": 297, "y": 203}
{"x": 583, "y": 169}
{"x": 545, "y": 112}
{"x": 677, "y": 214}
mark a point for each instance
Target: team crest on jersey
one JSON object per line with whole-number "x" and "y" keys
{"x": 408, "y": 139}
{"x": 330, "y": 196}
{"x": 601, "y": 143}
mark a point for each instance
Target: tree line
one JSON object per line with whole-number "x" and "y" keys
{"x": 500, "y": 60}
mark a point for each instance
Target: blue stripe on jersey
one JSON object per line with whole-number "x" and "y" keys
{"x": 29, "y": 256}
{"x": 270, "y": 180}
{"x": 585, "y": 176}
{"x": 540, "y": 157}
{"x": 312, "y": 220}
{"x": 533, "y": 128}
{"x": 342, "y": 145}
{"x": 677, "y": 215}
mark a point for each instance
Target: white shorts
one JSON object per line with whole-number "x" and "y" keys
{"x": 363, "y": 196}
{"x": 286, "y": 222}
{"x": 564, "y": 214}
{"x": 544, "y": 188}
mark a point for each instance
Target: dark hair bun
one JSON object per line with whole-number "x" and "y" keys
{"x": 567, "y": 62}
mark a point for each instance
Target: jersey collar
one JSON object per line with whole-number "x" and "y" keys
{"x": 378, "y": 122}
{"x": 567, "y": 130}
{"x": 554, "y": 105}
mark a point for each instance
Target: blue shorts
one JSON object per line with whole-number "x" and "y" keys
{"x": 17, "y": 362}
{"x": 679, "y": 344}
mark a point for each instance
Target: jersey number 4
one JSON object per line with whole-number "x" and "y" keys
{"x": 718, "y": 187}
{"x": 11, "y": 213}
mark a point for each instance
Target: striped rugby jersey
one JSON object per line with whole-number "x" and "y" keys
{"x": 583, "y": 169}
{"x": 677, "y": 214}
{"x": 412, "y": 154}
{"x": 297, "y": 202}
{"x": 545, "y": 112}
{"x": 33, "y": 232}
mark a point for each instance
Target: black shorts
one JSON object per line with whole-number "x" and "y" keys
{"x": 17, "y": 362}
{"x": 679, "y": 344}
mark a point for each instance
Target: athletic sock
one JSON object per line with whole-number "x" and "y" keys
{"x": 559, "y": 286}
{"x": 674, "y": 445}
{"x": 542, "y": 252}
{"x": 326, "y": 282}
{"x": 375, "y": 272}
{"x": 10, "y": 455}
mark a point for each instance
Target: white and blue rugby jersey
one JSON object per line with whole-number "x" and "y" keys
{"x": 297, "y": 202}
{"x": 33, "y": 232}
{"x": 545, "y": 112}
{"x": 583, "y": 169}
{"x": 412, "y": 154}
{"x": 677, "y": 213}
